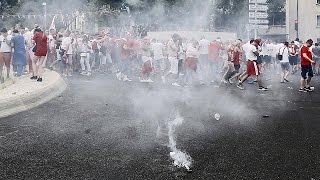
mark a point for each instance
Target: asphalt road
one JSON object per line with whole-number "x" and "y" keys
{"x": 104, "y": 129}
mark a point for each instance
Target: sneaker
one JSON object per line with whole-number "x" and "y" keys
{"x": 286, "y": 80}
{"x": 83, "y": 73}
{"x": 126, "y": 79}
{"x": 163, "y": 79}
{"x": 119, "y": 76}
{"x": 143, "y": 80}
{"x": 70, "y": 75}
{"x": 88, "y": 74}
{"x": 303, "y": 90}
{"x": 224, "y": 81}
{"x": 150, "y": 81}
{"x": 176, "y": 84}
{"x": 32, "y": 78}
{"x": 39, "y": 79}
{"x": 263, "y": 88}
{"x": 240, "y": 86}
{"x": 308, "y": 89}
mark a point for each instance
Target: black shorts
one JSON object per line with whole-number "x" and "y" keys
{"x": 267, "y": 59}
{"x": 306, "y": 70}
{"x": 180, "y": 66}
{"x": 259, "y": 60}
{"x": 293, "y": 60}
{"x": 237, "y": 68}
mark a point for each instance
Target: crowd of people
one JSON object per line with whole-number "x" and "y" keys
{"x": 179, "y": 61}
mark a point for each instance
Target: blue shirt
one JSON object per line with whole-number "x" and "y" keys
{"x": 18, "y": 44}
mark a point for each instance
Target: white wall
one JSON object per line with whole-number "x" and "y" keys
{"x": 308, "y": 11}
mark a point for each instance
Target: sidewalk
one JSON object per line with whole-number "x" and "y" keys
{"x": 20, "y": 94}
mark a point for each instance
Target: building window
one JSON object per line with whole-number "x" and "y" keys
{"x": 318, "y": 20}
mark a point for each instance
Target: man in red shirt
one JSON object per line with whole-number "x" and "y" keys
{"x": 306, "y": 67}
{"x": 214, "y": 59}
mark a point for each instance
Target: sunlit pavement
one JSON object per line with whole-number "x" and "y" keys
{"x": 105, "y": 129}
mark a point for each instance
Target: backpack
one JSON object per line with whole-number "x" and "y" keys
{"x": 280, "y": 56}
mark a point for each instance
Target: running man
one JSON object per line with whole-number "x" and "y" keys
{"x": 252, "y": 67}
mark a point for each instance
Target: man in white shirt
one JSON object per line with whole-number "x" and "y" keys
{"x": 203, "y": 64}
{"x": 266, "y": 53}
{"x": 66, "y": 52}
{"x": 105, "y": 53}
{"x": 252, "y": 66}
{"x": 173, "y": 49}
{"x": 285, "y": 66}
{"x": 191, "y": 62}
{"x": 157, "y": 51}
{"x": 5, "y": 52}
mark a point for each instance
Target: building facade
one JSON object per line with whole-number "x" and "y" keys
{"x": 306, "y": 13}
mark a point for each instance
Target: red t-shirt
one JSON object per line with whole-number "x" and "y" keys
{"x": 214, "y": 49}
{"x": 41, "y": 43}
{"x": 236, "y": 57}
{"x": 125, "y": 49}
{"x": 304, "y": 61}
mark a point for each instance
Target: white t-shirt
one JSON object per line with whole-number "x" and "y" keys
{"x": 192, "y": 52}
{"x": 265, "y": 50}
{"x": 84, "y": 47}
{"x": 172, "y": 49}
{"x": 66, "y": 44}
{"x": 28, "y": 38}
{"x": 51, "y": 41}
{"x": 285, "y": 54}
{"x": 4, "y": 46}
{"x": 245, "y": 47}
{"x": 157, "y": 49}
{"x": 204, "y": 46}
{"x": 270, "y": 49}
{"x": 250, "y": 53}
{"x": 276, "y": 49}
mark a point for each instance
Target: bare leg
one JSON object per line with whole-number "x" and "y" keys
{"x": 308, "y": 82}
{"x": 303, "y": 83}
{"x": 40, "y": 66}
{"x": 35, "y": 66}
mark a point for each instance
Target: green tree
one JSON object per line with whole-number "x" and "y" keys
{"x": 276, "y": 11}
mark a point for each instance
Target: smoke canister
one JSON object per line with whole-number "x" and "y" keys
{"x": 217, "y": 116}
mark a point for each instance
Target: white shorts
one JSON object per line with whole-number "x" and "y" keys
{"x": 174, "y": 63}
{"x": 106, "y": 59}
{"x": 160, "y": 64}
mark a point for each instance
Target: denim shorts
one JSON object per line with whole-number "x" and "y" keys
{"x": 306, "y": 70}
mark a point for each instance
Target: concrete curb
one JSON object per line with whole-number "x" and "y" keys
{"x": 22, "y": 103}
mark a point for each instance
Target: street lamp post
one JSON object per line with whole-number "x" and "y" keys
{"x": 255, "y": 24}
{"x": 45, "y": 16}
{"x": 297, "y": 20}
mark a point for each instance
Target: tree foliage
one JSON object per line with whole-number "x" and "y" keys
{"x": 221, "y": 14}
